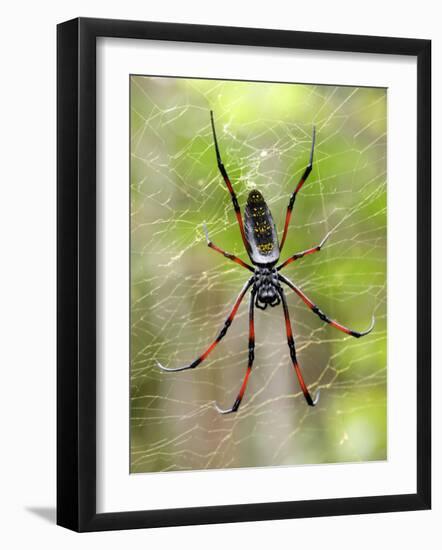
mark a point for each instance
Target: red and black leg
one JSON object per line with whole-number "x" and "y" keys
{"x": 321, "y": 314}
{"x": 292, "y": 348}
{"x": 240, "y": 395}
{"x": 220, "y": 336}
{"x": 224, "y": 253}
{"x": 301, "y": 182}
{"x": 299, "y": 255}
{"x": 229, "y": 185}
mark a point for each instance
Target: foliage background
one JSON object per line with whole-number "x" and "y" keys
{"x": 181, "y": 291}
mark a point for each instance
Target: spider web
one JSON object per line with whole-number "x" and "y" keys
{"x": 181, "y": 291}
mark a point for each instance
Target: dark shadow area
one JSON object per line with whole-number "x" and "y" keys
{"x": 45, "y": 512}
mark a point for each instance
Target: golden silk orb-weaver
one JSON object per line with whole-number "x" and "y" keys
{"x": 260, "y": 240}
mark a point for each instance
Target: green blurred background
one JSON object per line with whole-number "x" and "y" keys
{"x": 181, "y": 291}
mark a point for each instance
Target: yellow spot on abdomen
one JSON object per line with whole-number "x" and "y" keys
{"x": 265, "y": 247}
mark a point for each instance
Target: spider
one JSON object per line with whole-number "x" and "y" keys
{"x": 260, "y": 240}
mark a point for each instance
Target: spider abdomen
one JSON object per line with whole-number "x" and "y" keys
{"x": 260, "y": 231}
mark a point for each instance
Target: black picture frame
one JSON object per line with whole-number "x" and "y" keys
{"x": 77, "y": 287}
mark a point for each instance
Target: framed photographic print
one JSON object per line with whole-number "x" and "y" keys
{"x": 243, "y": 274}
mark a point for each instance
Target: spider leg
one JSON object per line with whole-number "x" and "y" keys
{"x": 220, "y": 336}
{"x": 301, "y": 182}
{"x": 299, "y": 255}
{"x": 240, "y": 395}
{"x": 210, "y": 244}
{"x": 229, "y": 185}
{"x": 321, "y": 314}
{"x": 291, "y": 344}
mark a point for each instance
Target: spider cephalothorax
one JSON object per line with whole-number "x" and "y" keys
{"x": 260, "y": 240}
{"x": 267, "y": 287}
